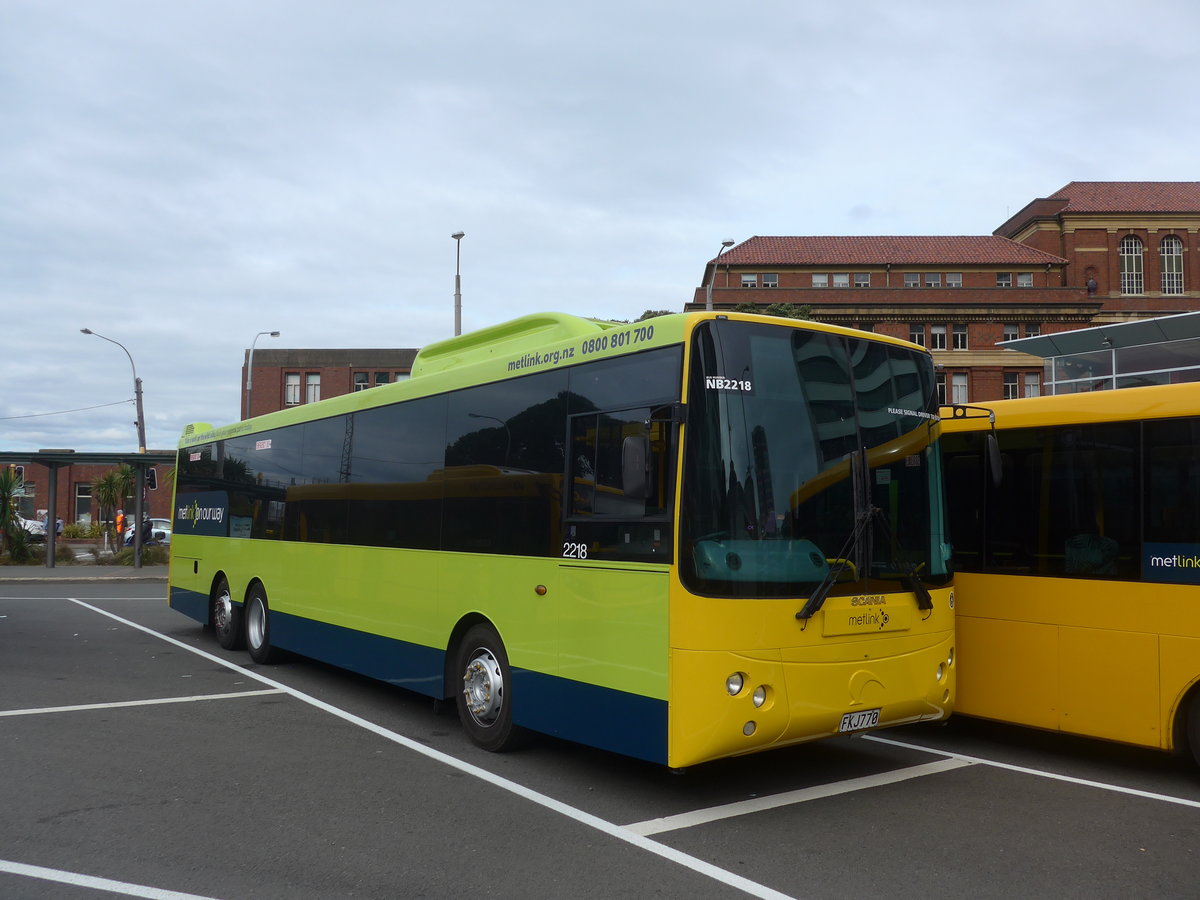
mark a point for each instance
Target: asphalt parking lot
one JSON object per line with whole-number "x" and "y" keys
{"x": 140, "y": 759}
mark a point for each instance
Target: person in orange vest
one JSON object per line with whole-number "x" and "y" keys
{"x": 120, "y": 526}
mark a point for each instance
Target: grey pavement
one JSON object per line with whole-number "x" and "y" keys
{"x": 117, "y": 574}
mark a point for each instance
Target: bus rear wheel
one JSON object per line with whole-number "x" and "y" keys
{"x": 485, "y": 696}
{"x": 226, "y": 617}
{"x": 258, "y": 626}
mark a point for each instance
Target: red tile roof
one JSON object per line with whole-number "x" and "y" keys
{"x": 1130, "y": 196}
{"x": 899, "y": 250}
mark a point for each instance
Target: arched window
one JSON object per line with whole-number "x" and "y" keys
{"x": 1131, "y": 266}
{"x": 1171, "y": 249}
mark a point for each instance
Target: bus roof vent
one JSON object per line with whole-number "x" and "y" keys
{"x": 508, "y": 339}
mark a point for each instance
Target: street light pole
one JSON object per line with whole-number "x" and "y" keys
{"x": 250, "y": 368}
{"x": 140, "y": 468}
{"x": 458, "y": 236}
{"x": 725, "y": 245}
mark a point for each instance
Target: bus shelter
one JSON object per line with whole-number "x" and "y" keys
{"x": 1165, "y": 350}
{"x": 53, "y": 460}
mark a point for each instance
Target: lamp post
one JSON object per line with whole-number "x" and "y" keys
{"x": 725, "y": 245}
{"x": 250, "y": 368}
{"x": 458, "y": 236}
{"x": 139, "y": 480}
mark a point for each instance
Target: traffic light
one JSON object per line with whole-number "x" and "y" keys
{"x": 152, "y": 478}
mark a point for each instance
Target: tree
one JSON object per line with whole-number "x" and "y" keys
{"x": 12, "y": 489}
{"x": 111, "y": 490}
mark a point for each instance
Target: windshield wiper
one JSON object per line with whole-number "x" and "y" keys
{"x": 860, "y": 543}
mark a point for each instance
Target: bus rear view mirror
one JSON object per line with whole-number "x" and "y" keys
{"x": 995, "y": 465}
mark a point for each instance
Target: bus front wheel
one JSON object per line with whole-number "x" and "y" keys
{"x": 258, "y": 626}
{"x": 485, "y": 696}
{"x": 226, "y": 617}
{"x": 1193, "y": 725}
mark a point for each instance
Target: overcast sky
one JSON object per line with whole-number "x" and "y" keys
{"x": 179, "y": 177}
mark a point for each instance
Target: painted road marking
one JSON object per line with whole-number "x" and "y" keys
{"x": 1083, "y": 782}
{"x": 774, "y": 801}
{"x": 119, "y": 703}
{"x": 624, "y": 835}
{"x": 99, "y": 884}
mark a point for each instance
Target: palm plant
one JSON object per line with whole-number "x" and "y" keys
{"x": 12, "y": 489}
{"x": 110, "y": 491}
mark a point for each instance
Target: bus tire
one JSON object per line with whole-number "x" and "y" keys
{"x": 1192, "y": 725}
{"x": 485, "y": 696}
{"x": 258, "y": 626}
{"x": 226, "y": 617}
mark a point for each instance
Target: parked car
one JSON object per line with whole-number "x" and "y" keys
{"x": 35, "y": 529}
{"x": 160, "y": 531}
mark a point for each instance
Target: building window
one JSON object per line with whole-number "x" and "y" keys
{"x": 291, "y": 388}
{"x": 402, "y": 376}
{"x": 749, "y": 280}
{"x": 312, "y": 387}
{"x": 770, "y": 281}
{"x": 912, "y": 279}
{"x": 820, "y": 281}
{"x": 937, "y": 337}
{"x": 1011, "y": 386}
{"x": 1004, "y": 279}
{"x": 361, "y": 381}
{"x": 1011, "y": 333}
{"x": 960, "y": 337}
{"x": 866, "y": 326}
{"x": 381, "y": 378}
{"x": 916, "y": 334}
{"x": 1024, "y": 279}
{"x": 954, "y": 279}
{"x": 1131, "y": 266}
{"x": 959, "y": 387}
{"x": 933, "y": 279}
{"x": 941, "y": 388}
{"x": 842, "y": 280}
{"x": 83, "y": 503}
{"x": 862, "y": 279}
{"x": 1033, "y": 330}
{"x": 1033, "y": 386}
{"x": 1171, "y": 249}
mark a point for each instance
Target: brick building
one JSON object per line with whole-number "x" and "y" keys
{"x": 1093, "y": 253}
{"x": 283, "y": 378}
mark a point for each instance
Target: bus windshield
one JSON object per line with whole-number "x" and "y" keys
{"x": 811, "y": 463}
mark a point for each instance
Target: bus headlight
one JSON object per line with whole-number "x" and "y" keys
{"x": 941, "y": 671}
{"x": 749, "y": 728}
{"x": 950, "y": 657}
{"x": 760, "y": 696}
{"x": 734, "y": 683}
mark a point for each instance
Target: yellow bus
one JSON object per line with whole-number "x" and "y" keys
{"x": 1078, "y": 567}
{"x": 693, "y": 537}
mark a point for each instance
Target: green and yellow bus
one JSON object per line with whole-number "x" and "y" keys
{"x": 687, "y": 538}
{"x": 1078, "y": 564}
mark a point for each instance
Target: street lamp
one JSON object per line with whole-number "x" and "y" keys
{"x": 137, "y": 390}
{"x": 141, "y": 468}
{"x": 458, "y": 236}
{"x": 250, "y": 368}
{"x": 725, "y": 245}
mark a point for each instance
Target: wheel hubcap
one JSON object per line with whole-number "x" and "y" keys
{"x": 223, "y": 612}
{"x": 483, "y": 687}
{"x": 255, "y": 624}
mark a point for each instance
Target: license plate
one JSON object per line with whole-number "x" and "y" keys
{"x": 857, "y": 721}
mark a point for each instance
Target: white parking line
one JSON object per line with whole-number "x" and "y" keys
{"x": 99, "y": 884}
{"x": 758, "y": 804}
{"x": 670, "y": 854}
{"x": 119, "y": 703}
{"x": 1041, "y": 773}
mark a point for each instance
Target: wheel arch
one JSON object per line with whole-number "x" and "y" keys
{"x": 450, "y": 678}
